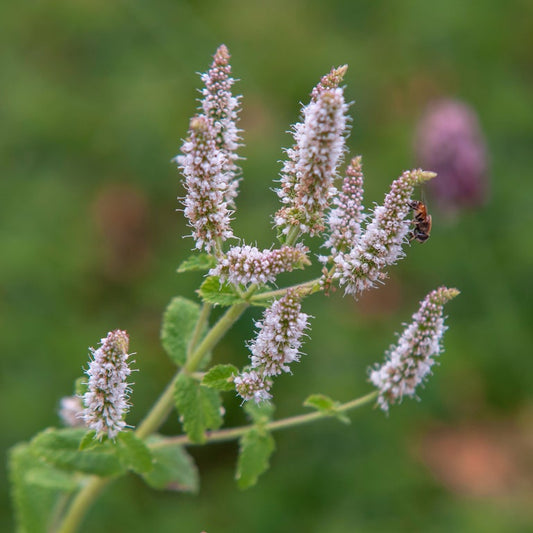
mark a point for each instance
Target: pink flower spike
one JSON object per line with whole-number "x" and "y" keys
{"x": 222, "y": 109}
{"x": 106, "y": 401}
{"x": 381, "y": 243}
{"x": 344, "y": 220}
{"x": 205, "y": 203}
{"x": 243, "y": 265}
{"x": 253, "y": 386}
{"x": 308, "y": 174}
{"x": 279, "y": 337}
{"x": 409, "y": 362}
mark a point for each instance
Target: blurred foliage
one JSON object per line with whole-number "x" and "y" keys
{"x": 95, "y": 98}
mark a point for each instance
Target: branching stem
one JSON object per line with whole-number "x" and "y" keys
{"x": 233, "y": 433}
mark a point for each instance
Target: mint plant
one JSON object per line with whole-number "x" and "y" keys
{"x": 58, "y": 475}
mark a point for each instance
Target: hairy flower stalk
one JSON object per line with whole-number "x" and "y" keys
{"x": 409, "y": 362}
{"x": 308, "y": 174}
{"x": 344, "y": 220}
{"x": 222, "y": 108}
{"x": 277, "y": 344}
{"x": 381, "y": 244}
{"x": 243, "y": 265}
{"x": 106, "y": 401}
{"x": 206, "y": 183}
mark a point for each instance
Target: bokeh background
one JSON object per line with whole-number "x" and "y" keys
{"x": 96, "y": 96}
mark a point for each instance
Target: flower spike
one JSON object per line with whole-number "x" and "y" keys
{"x": 222, "y": 109}
{"x": 106, "y": 401}
{"x": 202, "y": 166}
{"x": 381, "y": 244}
{"x": 243, "y": 265}
{"x": 344, "y": 220}
{"x": 409, "y": 362}
{"x": 308, "y": 174}
{"x": 277, "y": 344}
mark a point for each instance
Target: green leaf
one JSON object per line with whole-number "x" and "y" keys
{"x": 327, "y": 406}
{"x": 199, "y": 407}
{"x": 260, "y": 413}
{"x": 198, "y": 262}
{"x": 61, "y": 448}
{"x": 321, "y": 402}
{"x": 80, "y": 386}
{"x": 89, "y": 440}
{"x": 133, "y": 453}
{"x": 51, "y": 478}
{"x": 211, "y": 291}
{"x": 179, "y": 322}
{"x": 34, "y": 499}
{"x": 220, "y": 377}
{"x": 174, "y": 468}
{"x": 255, "y": 448}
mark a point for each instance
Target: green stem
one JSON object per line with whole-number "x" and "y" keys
{"x": 81, "y": 503}
{"x": 310, "y": 286}
{"x": 160, "y": 410}
{"x": 215, "y": 334}
{"x": 292, "y": 236}
{"x": 233, "y": 433}
{"x": 198, "y": 329}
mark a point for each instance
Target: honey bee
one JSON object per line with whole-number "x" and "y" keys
{"x": 421, "y": 222}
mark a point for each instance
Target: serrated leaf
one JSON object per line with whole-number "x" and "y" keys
{"x": 173, "y": 468}
{"x": 60, "y": 447}
{"x": 199, "y": 407}
{"x": 133, "y": 453}
{"x": 220, "y": 377}
{"x": 255, "y": 449}
{"x": 33, "y": 502}
{"x": 211, "y": 291}
{"x": 200, "y": 262}
{"x": 179, "y": 322}
{"x": 326, "y": 405}
{"x": 261, "y": 413}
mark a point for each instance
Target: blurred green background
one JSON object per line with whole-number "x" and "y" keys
{"x": 96, "y": 96}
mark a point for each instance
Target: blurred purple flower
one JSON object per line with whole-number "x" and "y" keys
{"x": 449, "y": 141}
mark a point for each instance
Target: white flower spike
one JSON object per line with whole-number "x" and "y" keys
{"x": 106, "y": 401}
{"x": 409, "y": 362}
